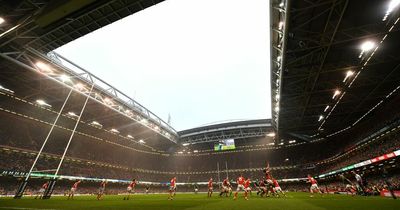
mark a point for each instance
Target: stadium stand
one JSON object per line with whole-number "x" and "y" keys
{"x": 326, "y": 121}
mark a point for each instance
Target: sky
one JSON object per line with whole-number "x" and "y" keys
{"x": 198, "y": 61}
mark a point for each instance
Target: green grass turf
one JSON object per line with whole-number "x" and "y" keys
{"x": 295, "y": 201}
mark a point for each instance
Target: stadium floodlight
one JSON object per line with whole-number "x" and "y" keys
{"x": 326, "y": 108}
{"x": 292, "y": 141}
{"x": 142, "y": 141}
{"x": 108, "y": 102}
{"x": 80, "y": 87}
{"x": 43, "y": 67}
{"x": 367, "y": 46}
{"x": 280, "y": 26}
{"x": 128, "y": 112}
{"x": 320, "y": 118}
{"x": 2, "y": 20}
{"x": 129, "y": 136}
{"x": 336, "y": 93}
{"x": 144, "y": 121}
{"x": 185, "y": 144}
{"x": 272, "y": 134}
{"x": 114, "y": 130}
{"x": 96, "y": 124}
{"x": 72, "y": 114}
{"x": 42, "y": 103}
{"x": 65, "y": 78}
{"x": 287, "y": 159}
{"x": 392, "y": 5}
{"x": 348, "y": 75}
{"x": 3, "y": 89}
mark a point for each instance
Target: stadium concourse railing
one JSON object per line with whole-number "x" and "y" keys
{"x": 70, "y": 75}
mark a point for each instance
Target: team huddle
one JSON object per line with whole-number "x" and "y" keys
{"x": 265, "y": 187}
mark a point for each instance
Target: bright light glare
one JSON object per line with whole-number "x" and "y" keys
{"x": 337, "y": 92}
{"x": 281, "y": 4}
{"x": 141, "y": 141}
{"x": 185, "y": 144}
{"x": 320, "y": 118}
{"x": 42, "y": 103}
{"x": 367, "y": 46}
{"x": 129, "y": 136}
{"x": 392, "y": 5}
{"x": 272, "y": 134}
{"x": 6, "y": 89}
{"x": 348, "y": 74}
{"x": 65, "y": 78}
{"x": 195, "y": 151}
{"x": 72, "y": 114}
{"x": 80, "y": 86}
{"x": 280, "y": 27}
{"x": 326, "y": 108}
{"x": 114, "y": 130}
{"x": 44, "y": 67}
{"x": 292, "y": 141}
{"x": 96, "y": 124}
{"x": 2, "y": 20}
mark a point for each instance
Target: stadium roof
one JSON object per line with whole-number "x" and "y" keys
{"x": 229, "y": 130}
{"x": 31, "y": 29}
{"x": 46, "y": 25}
{"x": 333, "y": 63}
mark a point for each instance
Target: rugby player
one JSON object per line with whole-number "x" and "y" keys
{"x": 73, "y": 189}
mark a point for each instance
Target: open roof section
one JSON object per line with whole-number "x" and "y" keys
{"x": 325, "y": 85}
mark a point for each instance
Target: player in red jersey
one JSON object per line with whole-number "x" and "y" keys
{"x": 130, "y": 189}
{"x": 73, "y": 189}
{"x": 210, "y": 188}
{"x": 172, "y": 188}
{"x": 101, "y": 189}
{"x": 247, "y": 188}
{"x": 314, "y": 186}
{"x": 225, "y": 187}
{"x": 269, "y": 183}
{"x": 42, "y": 190}
{"x": 240, "y": 186}
{"x": 277, "y": 188}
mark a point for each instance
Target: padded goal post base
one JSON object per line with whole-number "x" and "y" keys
{"x": 21, "y": 190}
{"x": 49, "y": 191}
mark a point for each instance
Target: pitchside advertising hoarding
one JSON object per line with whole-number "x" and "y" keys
{"x": 364, "y": 163}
